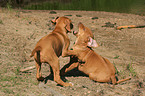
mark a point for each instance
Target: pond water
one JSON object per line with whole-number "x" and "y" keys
{"x": 121, "y": 6}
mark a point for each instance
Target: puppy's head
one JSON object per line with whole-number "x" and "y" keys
{"x": 63, "y": 22}
{"x": 85, "y": 36}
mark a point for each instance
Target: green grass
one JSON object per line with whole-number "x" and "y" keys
{"x": 124, "y": 72}
{"x": 9, "y": 5}
{"x": 1, "y": 22}
{"x": 11, "y": 82}
{"x": 131, "y": 70}
{"x": 116, "y": 57}
{"x": 7, "y": 90}
{"x": 17, "y": 71}
{"x": 117, "y": 72}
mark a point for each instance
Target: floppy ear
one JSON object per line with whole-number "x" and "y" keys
{"x": 68, "y": 25}
{"x": 54, "y": 21}
{"x": 92, "y": 42}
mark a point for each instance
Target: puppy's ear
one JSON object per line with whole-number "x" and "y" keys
{"x": 92, "y": 43}
{"x": 54, "y": 21}
{"x": 68, "y": 25}
{"x": 81, "y": 26}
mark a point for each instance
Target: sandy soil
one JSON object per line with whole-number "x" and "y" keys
{"x": 21, "y": 29}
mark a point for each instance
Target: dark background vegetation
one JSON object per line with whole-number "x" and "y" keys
{"x": 121, "y": 6}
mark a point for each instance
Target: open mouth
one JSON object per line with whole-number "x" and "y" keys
{"x": 75, "y": 32}
{"x": 71, "y": 26}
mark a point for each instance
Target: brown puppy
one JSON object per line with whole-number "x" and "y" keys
{"x": 50, "y": 47}
{"x": 98, "y": 68}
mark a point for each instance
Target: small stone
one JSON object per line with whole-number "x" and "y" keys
{"x": 52, "y": 12}
{"x": 93, "y": 18}
{"x": 67, "y": 15}
{"x": 89, "y": 91}
{"x": 79, "y": 15}
{"x": 108, "y": 24}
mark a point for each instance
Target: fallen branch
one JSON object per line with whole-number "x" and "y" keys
{"x": 26, "y": 69}
{"x": 130, "y": 26}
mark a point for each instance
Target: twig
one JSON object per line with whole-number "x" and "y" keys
{"x": 130, "y": 26}
{"x": 26, "y": 69}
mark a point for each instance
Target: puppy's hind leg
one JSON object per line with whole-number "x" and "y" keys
{"x": 38, "y": 67}
{"x": 92, "y": 76}
{"x": 99, "y": 77}
{"x": 38, "y": 74}
{"x": 56, "y": 71}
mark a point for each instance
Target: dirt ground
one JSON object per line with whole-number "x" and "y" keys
{"x": 21, "y": 29}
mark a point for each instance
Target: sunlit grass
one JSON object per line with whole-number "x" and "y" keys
{"x": 1, "y": 22}
{"x": 131, "y": 69}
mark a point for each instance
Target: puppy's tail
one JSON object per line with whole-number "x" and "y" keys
{"x": 122, "y": 80}
{"x": 113, "y": 78}
{"x": 35, "y": 50}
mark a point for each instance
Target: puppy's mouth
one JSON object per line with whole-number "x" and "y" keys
{"x": 69, "y": 29}
{"x": 75, "y": 32}
{"x": 71, "y": 26}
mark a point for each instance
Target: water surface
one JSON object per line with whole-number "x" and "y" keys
{"x": 121, "y": 6}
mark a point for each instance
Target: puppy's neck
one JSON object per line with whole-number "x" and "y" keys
{"x": 61, "y": 30}
{"x": 80, "y": 41}
{"x": 80, "y": 47}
